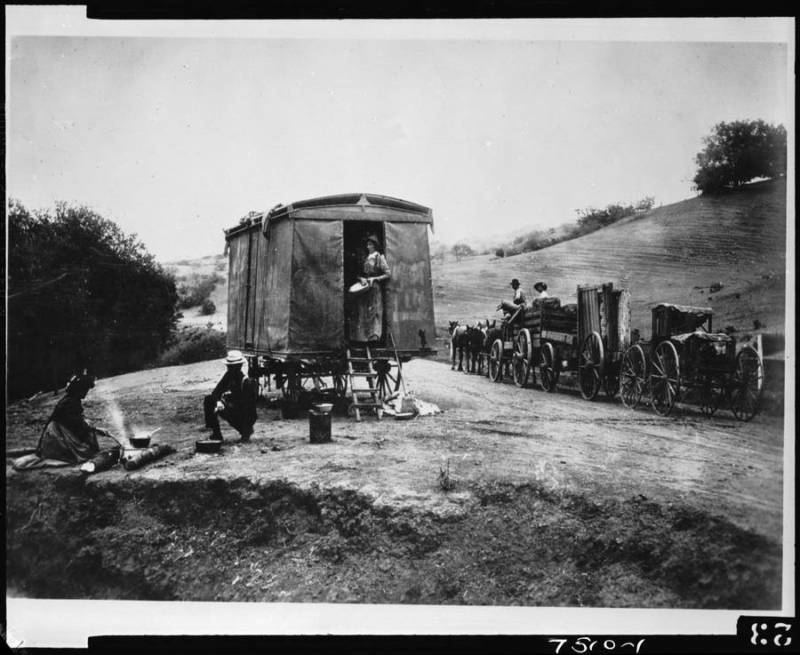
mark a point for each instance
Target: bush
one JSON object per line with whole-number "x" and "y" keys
{"x": 736, "y": 153}
{"x": 193, "y": 344}
{"x": 208, "y": 307}
{"x": 499, "y": 253}
{"x": 81, "y": 294}
{"x": 197, "y": 289}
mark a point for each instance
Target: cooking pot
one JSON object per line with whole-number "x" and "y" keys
{"x": 209, "y": 445}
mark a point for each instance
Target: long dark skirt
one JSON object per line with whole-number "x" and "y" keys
{"x": 366, "y": 315}
{"x": 59, "y": 442}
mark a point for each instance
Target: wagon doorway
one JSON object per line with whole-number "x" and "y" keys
{"x": 355, "y": 254}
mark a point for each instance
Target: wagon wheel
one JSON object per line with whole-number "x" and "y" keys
{"x": 548, "y": 367}
{"x": 665, "y": 378}
{"x": 746, "y": 384}
{"x": 387, "y": 384}
{"x": 523, "y": 355}
{"x": 339, "y": 385}
{"x": 495, "y": 363}
{"x": 292, "y": 386}
{"x": 711, "y": 394}
{"x": 590, "y": 368}
{"x": 633, "y": 376}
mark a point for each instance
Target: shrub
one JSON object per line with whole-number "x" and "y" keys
{"x": 193, "y": 344}
{"x": 81, "y": 293}
{"x": 197, "y": 289}
{"x": 208, "y": 307}
{"x": 589, "y": 220}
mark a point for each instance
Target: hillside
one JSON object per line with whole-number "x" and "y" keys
{"x": 205, "y": 266}
{"x": 671, "y": 254}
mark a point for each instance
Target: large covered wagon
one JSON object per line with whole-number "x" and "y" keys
{"x": 290, "y": 308}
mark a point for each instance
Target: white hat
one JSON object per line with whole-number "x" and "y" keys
{"x": 234, "y": 358}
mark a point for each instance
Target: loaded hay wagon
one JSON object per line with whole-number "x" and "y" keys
{"x": 686, "y": 361}
{"x": 588, "y": 338}
{"x": 289, "y": 301}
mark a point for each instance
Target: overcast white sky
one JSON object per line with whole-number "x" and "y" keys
{"x": 175, "y": 138}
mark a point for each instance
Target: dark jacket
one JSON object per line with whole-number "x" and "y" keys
{"x": 237, "y": 392}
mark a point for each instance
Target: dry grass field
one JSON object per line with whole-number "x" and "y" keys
{"x": 672, "y": 253}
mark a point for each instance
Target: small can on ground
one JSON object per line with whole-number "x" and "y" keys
{"x": 319, "y": 423}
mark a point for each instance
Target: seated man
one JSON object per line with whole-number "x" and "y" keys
{"x": 510, "y": 308}
{"x": 234, "y": 399}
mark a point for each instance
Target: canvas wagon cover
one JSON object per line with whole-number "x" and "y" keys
{"x": 286, "y": 293}
{"x": 408, "y": 294}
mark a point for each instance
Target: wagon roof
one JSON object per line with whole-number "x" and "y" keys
{"x": 686, "y": 309}
{"x": 347, "y": 206}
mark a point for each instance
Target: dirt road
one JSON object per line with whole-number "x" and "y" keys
{"x": 661, "y": 491}
{"x": 719, "y": 465}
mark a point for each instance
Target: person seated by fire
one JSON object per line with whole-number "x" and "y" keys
{"x": 366, "y": 320}
{"x": 234, "y": 399}
{"x": 68, "y": 436}
{"x": 510, "y": 308}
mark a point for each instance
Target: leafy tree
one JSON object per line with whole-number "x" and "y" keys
{"x": 499, "y": 253}
{"x": 736, "y": 153}
{"x": 439, "y": 252}
{"x": 81, "y": 293}
{"x": 460, "y": 250}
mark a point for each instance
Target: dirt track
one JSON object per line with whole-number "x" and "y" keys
{"x": 641, "y": 496}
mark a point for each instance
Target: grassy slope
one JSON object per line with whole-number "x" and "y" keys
{"x": 184, "y": 269}
{"x": 738, "y": 240}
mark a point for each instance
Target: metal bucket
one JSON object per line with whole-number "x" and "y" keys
{"x": 319, "y": 424}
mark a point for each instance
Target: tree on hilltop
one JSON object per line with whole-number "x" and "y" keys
{"x": 740, "y": 151}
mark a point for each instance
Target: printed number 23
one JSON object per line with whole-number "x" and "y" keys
{"x": 779, "y": 640}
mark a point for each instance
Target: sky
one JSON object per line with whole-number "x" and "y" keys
{"x": 176, "y": 138}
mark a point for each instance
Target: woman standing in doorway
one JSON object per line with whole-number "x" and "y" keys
{"x": 367, "y": 323}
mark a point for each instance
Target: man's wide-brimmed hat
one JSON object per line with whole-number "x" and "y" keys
{"x": 234, "y": 358}
{"x": 515, "y": 282}
{"x": 540, "y": 286}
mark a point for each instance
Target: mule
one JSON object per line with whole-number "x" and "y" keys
{"x": 458, "y": 342}
{"x": 474, "y": 338}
